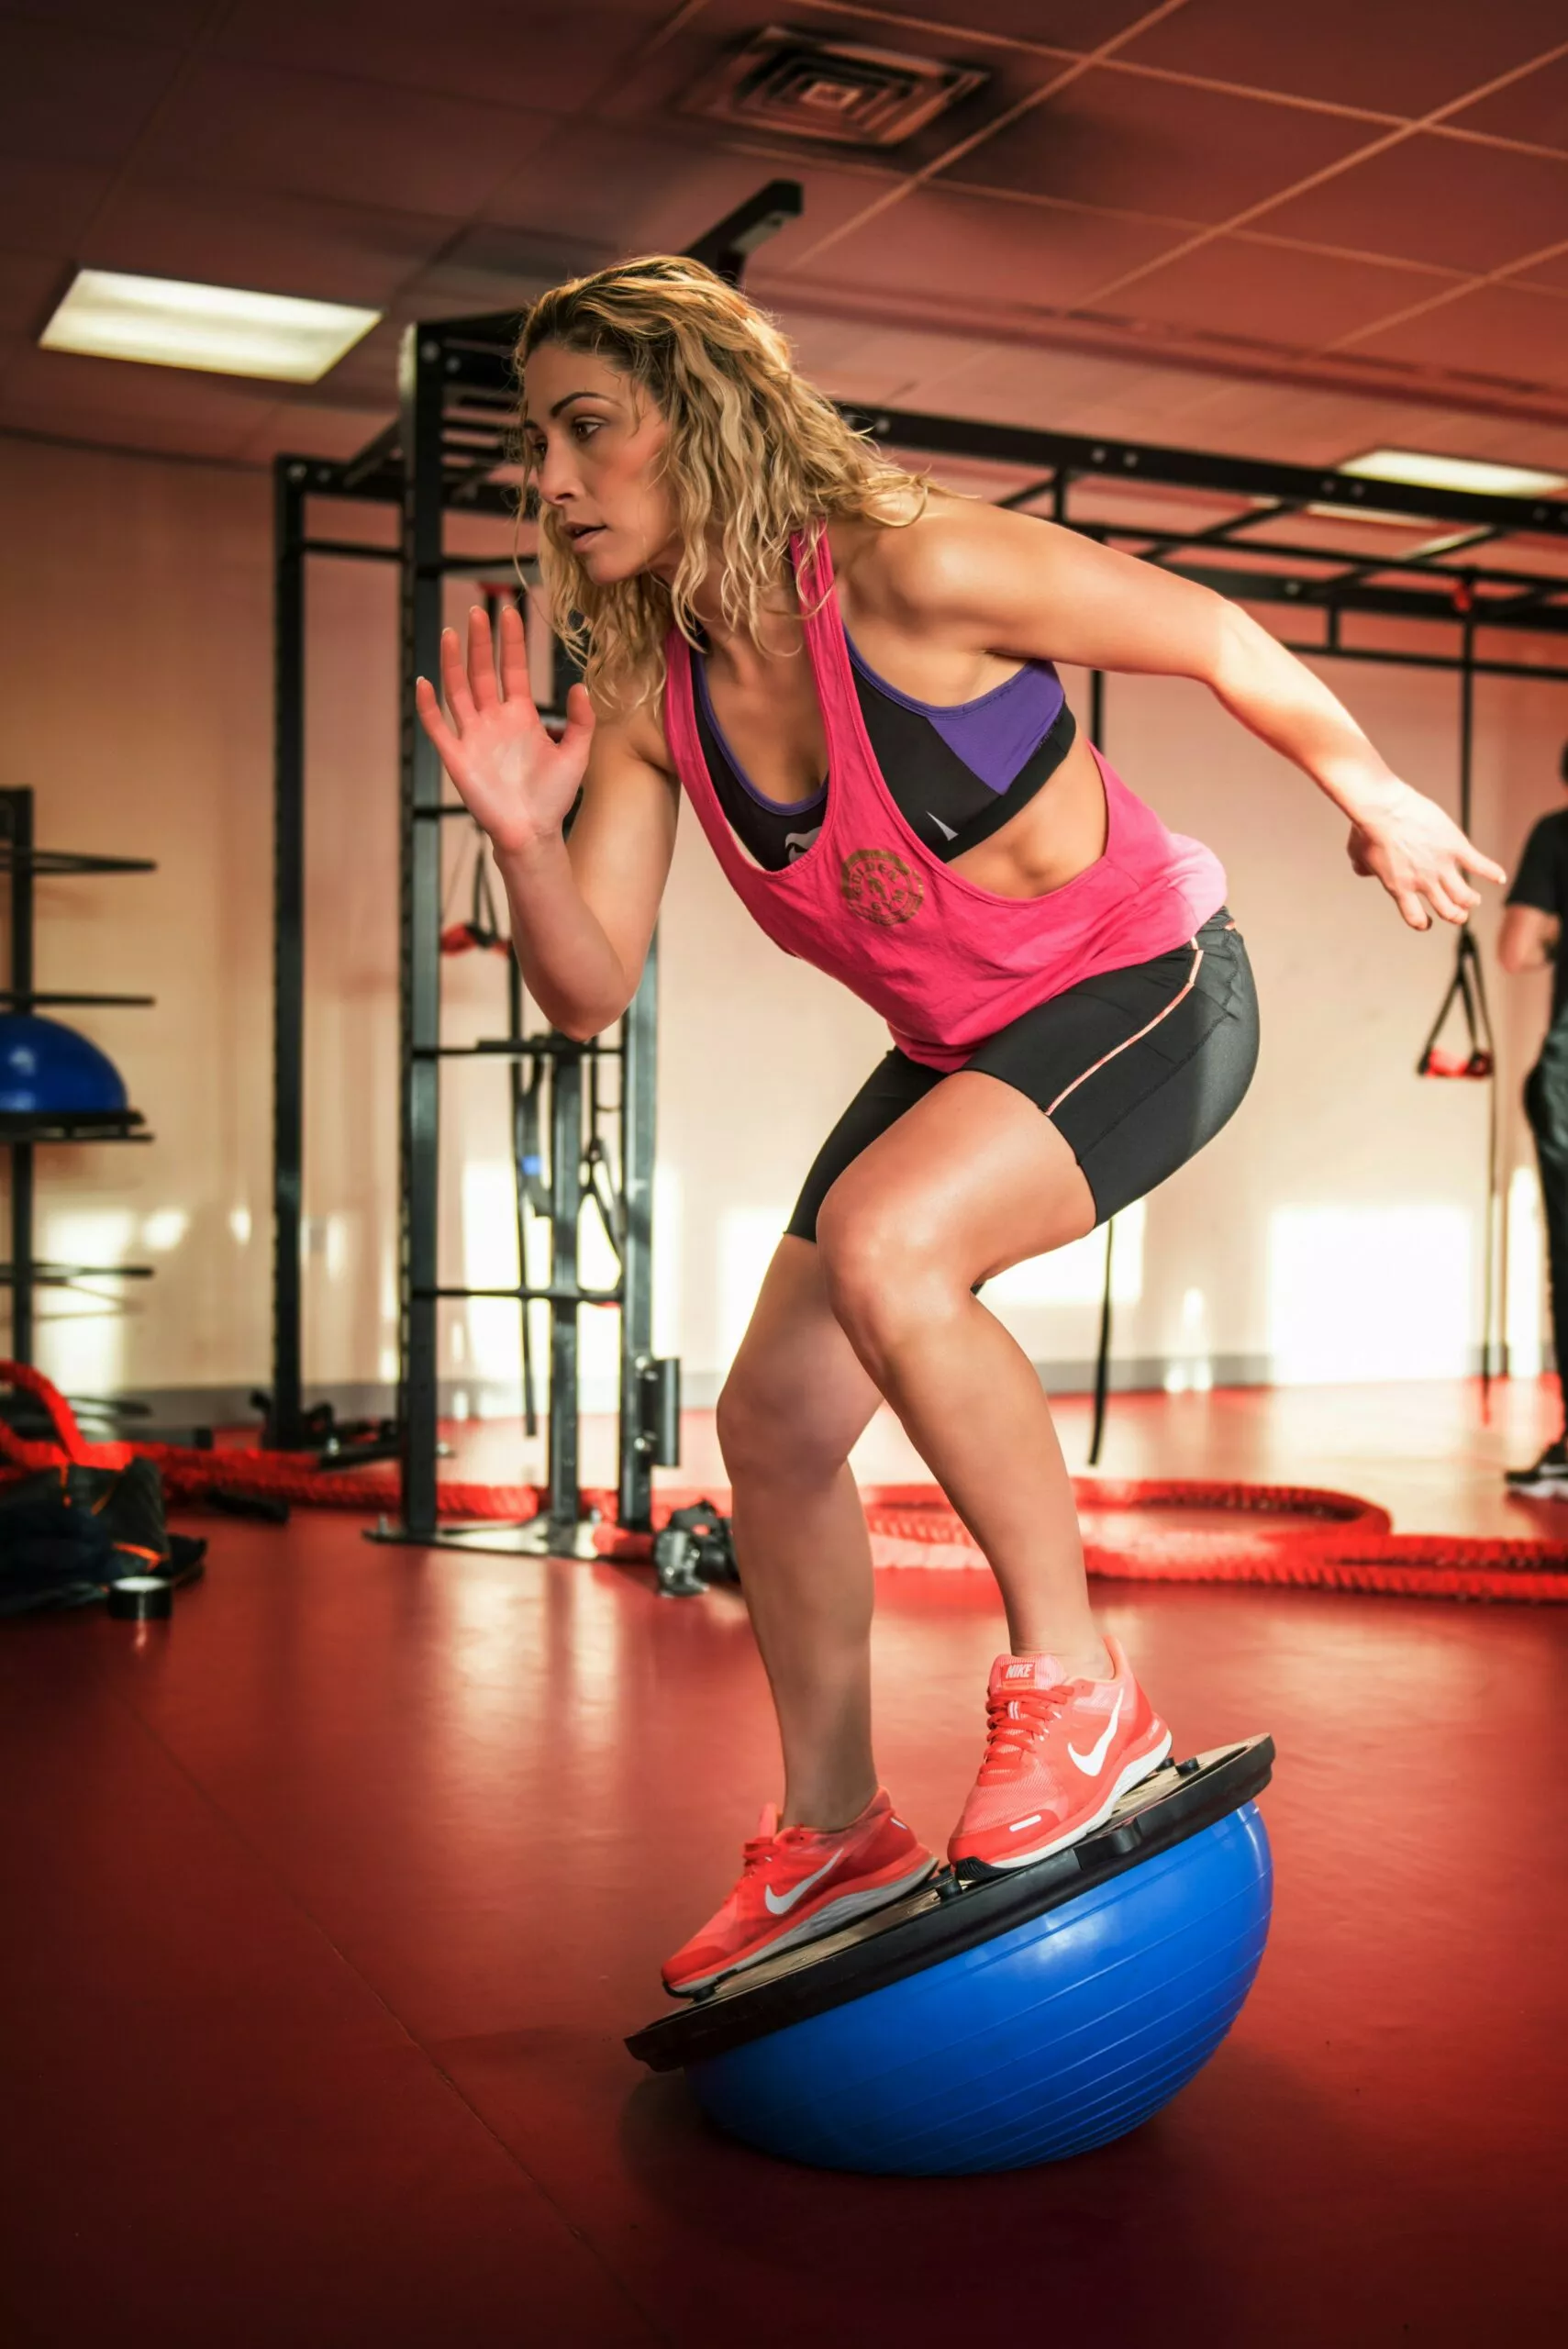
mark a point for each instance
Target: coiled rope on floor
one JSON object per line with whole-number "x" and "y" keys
{"x": 1283, "y": 1534}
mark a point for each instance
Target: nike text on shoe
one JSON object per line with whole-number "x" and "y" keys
{"x": 1548, "y": 1475}
{"x": 798, "y": 1884}
{"x": 1059, "y": 1755}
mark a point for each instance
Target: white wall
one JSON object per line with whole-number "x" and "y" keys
{"x": 1333, "y": 1229}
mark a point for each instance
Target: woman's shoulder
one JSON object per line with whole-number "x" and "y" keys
{"x": 635, "y": 726}
{"x": 936, "y": 566}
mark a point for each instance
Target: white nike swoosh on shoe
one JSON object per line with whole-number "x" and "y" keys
{"x": 1093, "y": 1762}
{"x": 781, "y": 1903}
{"x": 946, "y": 829}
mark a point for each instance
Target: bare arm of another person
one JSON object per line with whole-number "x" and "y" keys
{"x": 584, "y": 911}
{"x": 1032, "y": 590}
{"x": 1528, "y": 938}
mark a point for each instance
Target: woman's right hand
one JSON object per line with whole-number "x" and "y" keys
{"x": 517, "y": 783}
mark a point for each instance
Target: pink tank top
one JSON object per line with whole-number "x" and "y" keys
{"x": 946, "y": 963}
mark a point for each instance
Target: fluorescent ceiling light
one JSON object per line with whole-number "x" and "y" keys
{"x": 1426, "y": 472}
{"x": 222, "y": 330}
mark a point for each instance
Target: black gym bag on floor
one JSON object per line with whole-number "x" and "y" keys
{"x": 66, "y": 1533}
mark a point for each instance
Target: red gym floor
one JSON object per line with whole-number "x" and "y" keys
{"x": 327, "y": 1905}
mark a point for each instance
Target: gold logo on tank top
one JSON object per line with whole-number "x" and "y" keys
{"x": 878, "y": 886}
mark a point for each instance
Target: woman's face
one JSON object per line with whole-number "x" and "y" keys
{"x": 596, "y": 440}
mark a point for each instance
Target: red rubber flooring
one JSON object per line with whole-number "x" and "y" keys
{"x": 326, "y": 1907}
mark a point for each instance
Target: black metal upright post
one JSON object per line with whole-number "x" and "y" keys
{"x": 563, "y": 1511}
{"x": 420, "y": 389}
{"x": 1467, "y": 709}
{"x": 18, "y": 816}
{"x": 639, "y": 1040}
{"x": 286, "y": 1404}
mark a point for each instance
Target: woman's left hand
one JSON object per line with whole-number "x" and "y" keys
{"x": 1422, "y": 857}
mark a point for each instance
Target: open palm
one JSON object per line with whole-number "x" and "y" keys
{"x": 1422, "y": 859}
{"x": 516, "y": 782}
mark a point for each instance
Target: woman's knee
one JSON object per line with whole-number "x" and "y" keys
{"x": 886, "y": 1266}
{"x": 779, "y": 1416}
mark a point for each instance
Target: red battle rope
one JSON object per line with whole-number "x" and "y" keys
{"x": 1282, "y": 1535}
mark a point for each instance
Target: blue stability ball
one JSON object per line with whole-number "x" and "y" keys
{"x": 46, "y": 1069}
{"x": 1031, "y": 2044}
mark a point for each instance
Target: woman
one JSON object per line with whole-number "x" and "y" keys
{"x": 849, "y": 674}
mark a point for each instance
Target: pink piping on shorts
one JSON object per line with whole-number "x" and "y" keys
{"x": 1105, "y": 1057}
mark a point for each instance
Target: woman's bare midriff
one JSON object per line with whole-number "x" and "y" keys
{"x": 1059, "y": 834}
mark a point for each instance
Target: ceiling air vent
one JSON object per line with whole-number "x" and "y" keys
{"x": 784, "y": 80}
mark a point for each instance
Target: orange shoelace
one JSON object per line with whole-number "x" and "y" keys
{"x": 1013, "y": 1724}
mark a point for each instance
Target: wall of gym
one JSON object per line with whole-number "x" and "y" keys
{"x": 1333, "y": 1231}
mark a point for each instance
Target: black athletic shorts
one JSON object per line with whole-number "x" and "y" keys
{"x": 1136, "y": 1069}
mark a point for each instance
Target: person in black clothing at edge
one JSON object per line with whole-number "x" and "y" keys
{"x": 1529, "y": 939}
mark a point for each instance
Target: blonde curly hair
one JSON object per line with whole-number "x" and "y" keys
{"x": 754, "y": 453}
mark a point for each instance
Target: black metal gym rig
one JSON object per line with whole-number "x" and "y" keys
{"x": 456, "y": 413}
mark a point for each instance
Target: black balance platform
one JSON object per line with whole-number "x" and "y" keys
{"x": 944, "y": 1917}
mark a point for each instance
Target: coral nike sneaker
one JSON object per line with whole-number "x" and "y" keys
{"x": 797, "y": 1884}
{"x": 1059, "y": 1755}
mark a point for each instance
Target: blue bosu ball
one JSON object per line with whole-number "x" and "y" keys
{"x": 1025, "y": 2044}
{"x": 48, "y": 1070}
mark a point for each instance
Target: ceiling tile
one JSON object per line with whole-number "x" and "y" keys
{"x": 544, "y": 60}
{"x": 852, "y": 362}
{"x": 490, "y": 267}
{"x": 594, "y": 191}
{"x": 306, "y": 428}
{"x": 275, "y": 243}
{"x": 1325, "y": 428}
{"x": 1060, "y": 391}
{"x": 1059, "y": 24}
{"x": 1274, "y": 294}
{"x": 30, "y": 286}
{"x": 650, "y": 93}
{"x": 366, "y": 378}
{"x": 1434, "y": 199}
{"x": 1554, "y": 271}
{"x": 45, "y": 207}
{"x": 1534, "y": 109}
{"x": 1500, "y": 331}
{"x": 173, "y": 20}
{"x": 1339, "y": 531}
{"x": 1146, "y": 146}
{"x": 76, "y": 97}
{"x": 115, "y": 405}
{"x": 1397, "y": 59}
{"x": 987, "y": 253}
{"x": 303, "y": 134}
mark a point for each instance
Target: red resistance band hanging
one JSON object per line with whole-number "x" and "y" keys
{"x": 1467, "y": 988}
{"x": 481, "y": 930}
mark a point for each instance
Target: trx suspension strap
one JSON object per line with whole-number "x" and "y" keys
{"x": 1468, "y": 989}
{"x": 1477, "y": 1058}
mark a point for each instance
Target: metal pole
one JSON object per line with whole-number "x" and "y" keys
{"x": 1466, "y": 781}
{"x": 18, "y": 823}
{"x": 1467, "y": 709}
{"x": 283, "y": 1428}
{"x": 565, "y": 1213}
{"x": 639, "y": 1040}
{"x": 420, "y": 386}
